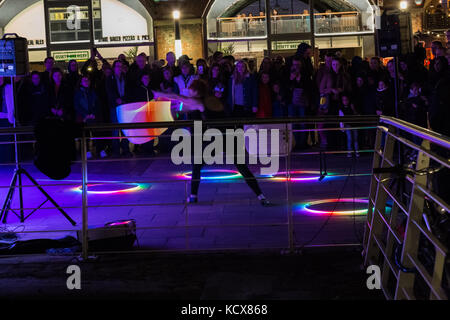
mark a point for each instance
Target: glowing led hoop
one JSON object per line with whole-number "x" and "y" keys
{"x": 129, "y": 187}
{"x": 228, "y": 174}
{"x": 307, "y": 206}
{"x": 279, "y": 176}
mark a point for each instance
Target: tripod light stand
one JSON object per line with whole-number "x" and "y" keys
{"x": 17, "y": 179}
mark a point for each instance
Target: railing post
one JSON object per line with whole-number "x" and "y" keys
{"x": 379, "y": 197}
{"x": 84, "y": 167}
{"x": 288, "y": 190}
{"x": 412, "y": 233}
{"x": 186, "y": 206}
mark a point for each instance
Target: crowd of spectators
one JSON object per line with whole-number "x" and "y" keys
{"x": 279, "y": 87}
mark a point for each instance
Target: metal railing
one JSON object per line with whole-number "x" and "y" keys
{"x": 399, "y": 256}
{"x": 360, "y": 123}
{"x": 436, "y": 21}
{"x": 325, "y": 23}
{"x": 401, "y": 241}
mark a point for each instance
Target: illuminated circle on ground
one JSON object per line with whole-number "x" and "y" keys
{"x": 308, "y": 207}
{"x": 214, "y": 174}
{"x": 111, "y": 188}
{"x": 297, "y": 176}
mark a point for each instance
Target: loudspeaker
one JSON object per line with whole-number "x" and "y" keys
{"x": 113, "y": 236}
{"x": 13, "y": 56}
{"x": 389, "y": 36}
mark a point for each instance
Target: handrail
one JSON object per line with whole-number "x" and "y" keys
{"x": 220, "y": 122}
{"x": 292, "y": 15}
{"x": 421, "y": 132}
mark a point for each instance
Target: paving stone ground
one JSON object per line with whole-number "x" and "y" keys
{"x": 332, "y": 273}
{"x": 227, "y": 217}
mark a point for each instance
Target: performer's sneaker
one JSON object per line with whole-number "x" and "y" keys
{"x": 264, "y": 202}
{"x": 192, "y": 199}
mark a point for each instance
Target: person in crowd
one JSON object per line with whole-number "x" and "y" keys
{"x": 72, "y": 77}
{"x": 142, "y": 91}
{"x": 121, "y": 57}
{"x": 440, "y": 98}
{"x": 217, "y": 57}
{"x": 279, "y": 106}
{"x": 117, "y": 87}
{"x": 36, "y": 98}
{"x": 385, "y": 99}
{"x": 251, "y": 65}
{"x": 265, "y": 67}
{"x": 347, "y": 108}
{"x": 299, "y": 98}
{"x": 215, "y": 77}
{"x": 139, "y": 66}
{"x": 278, "y": 66}
{"x": 202, "y": 70}
{"x": 6, "y": 119}
{"x": 332, "y": 85}
{"x": 402, "y": 83}
{"x": 60, "y": 96}
{"x": 227, "y": 63}
{"x": 171, "y": 63}
{"x": 128, "y": 76}
{"x": 417, "y": 106}
{"x": 305, "y": 53}
{"x": 168, "y": 85}
{"x": 265, "y": 96}
{"x": 46, "y": 77}
{"x": 376, "y": 69}
{"x": 356, "y": 67}
{"x": 242, "y": 101}
{"x": 185, "y": 79}
{"x": 325, "y": 68}
{"x": 88, "y": 110}
{"x": 436, "y": 47}
{"x": 220, "y": 98}
{"x": 335, "y": 83}
{"x": 364, "y": 99}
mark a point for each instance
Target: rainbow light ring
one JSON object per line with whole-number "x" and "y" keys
{"x": 127, "y": 188}
{"x": 306, "y": 207}
{"x": 279, "y": 176}
{"x": 228, "y": 174}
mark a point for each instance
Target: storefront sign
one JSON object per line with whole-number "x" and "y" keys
{"x": 79, "y": 55}
{"x": 124, "y": 39}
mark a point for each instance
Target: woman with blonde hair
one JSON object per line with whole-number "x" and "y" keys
{"x": 242, "y": 99}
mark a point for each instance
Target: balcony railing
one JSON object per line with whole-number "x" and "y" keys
{"x": 330, "y": 22}
{"x": 437, "y": 21}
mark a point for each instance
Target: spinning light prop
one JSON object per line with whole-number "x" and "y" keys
{"x": 153, "y": 111}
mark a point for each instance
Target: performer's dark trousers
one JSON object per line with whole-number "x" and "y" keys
{"x": 242, "y": 168}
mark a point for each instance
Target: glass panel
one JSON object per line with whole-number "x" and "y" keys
{"x": 239, "y": 19}
{"x": 290, "y": 16}
{"x": 69, "y": 24}
{"x": 337, "y": 22}
{"x": 119, "y": 22}
{"x": 240, "y": 27}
